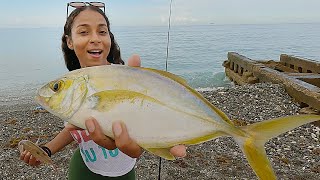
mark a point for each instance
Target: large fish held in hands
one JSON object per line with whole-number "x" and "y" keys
{"x": 159, "y": 110}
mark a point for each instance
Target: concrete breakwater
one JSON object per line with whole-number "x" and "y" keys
{"x": 300, "y": 76}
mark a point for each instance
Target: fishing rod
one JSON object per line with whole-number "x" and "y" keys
{"x": 167, "y": 57}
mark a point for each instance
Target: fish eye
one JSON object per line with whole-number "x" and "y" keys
{"x": 56, "y": 86}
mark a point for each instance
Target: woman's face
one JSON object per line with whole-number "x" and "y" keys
{"x": 90, "y": 38}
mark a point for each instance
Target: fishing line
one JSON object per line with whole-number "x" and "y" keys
{"x": 168, "y": 40}
{"x": 168, "y": 35}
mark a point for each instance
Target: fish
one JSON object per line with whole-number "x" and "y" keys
{"x": 159, "y": 109}
{"x": 35, "y": 151}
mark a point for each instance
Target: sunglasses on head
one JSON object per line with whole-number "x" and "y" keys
{"x": 83, "y": 4}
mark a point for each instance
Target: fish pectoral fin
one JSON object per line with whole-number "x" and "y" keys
{"x": 106, "y": 100}
{"x": 162, "y": 152}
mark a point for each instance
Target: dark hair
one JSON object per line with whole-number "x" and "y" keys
{"x": 70, "y": 58}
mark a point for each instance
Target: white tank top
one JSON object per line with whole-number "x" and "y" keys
{"x": 102, "y": 161}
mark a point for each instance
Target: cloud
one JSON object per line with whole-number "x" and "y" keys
{"x": 184, "y": 20}
{"x": 180, "y": 20}
{"x": 32, "y": 21}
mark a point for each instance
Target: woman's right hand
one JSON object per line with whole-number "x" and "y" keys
{"x": 29, "y": 159}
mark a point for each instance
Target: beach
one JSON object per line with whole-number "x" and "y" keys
{"x": 294, "y": 155}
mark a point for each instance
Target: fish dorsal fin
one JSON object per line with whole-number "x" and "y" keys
{"x": 168, "y": 75}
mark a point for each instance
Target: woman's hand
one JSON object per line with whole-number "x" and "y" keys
{"x": 134, "y": 61}
{"x": 29, "y": 159}
{"x": 122, "y": 141}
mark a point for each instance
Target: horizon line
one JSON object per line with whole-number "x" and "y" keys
{"x": 202, "y": 24}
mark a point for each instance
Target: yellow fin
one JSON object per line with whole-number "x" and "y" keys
{"x": 162, "y": 152}
{"x": 202, "y": 139}
{"x": 258, "y": 160}
{"x": 274, "y": 127}
{"x": 105, "y": 100}
{"x": 165, "y": 152}
{"x": 259, "y": 133}
{"x": 168, "y": 74}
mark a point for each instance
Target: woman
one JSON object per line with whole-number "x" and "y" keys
{"x": 87, "y": 41}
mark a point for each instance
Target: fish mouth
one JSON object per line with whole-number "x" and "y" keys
{"x": 43, "y": 102}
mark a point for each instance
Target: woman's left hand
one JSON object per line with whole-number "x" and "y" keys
{"x": 122, "y": 141}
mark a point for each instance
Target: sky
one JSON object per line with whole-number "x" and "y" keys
{"x": 52, "y": 13}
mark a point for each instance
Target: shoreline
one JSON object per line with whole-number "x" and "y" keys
{"x": 294, "y": 155}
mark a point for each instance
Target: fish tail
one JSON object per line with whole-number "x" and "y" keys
{"x": 257, "y": 134}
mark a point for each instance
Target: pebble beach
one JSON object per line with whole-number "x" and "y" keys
{"x": 294, "y": 155}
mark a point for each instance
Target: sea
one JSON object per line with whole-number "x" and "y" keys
{"x": 30, "y": 57}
